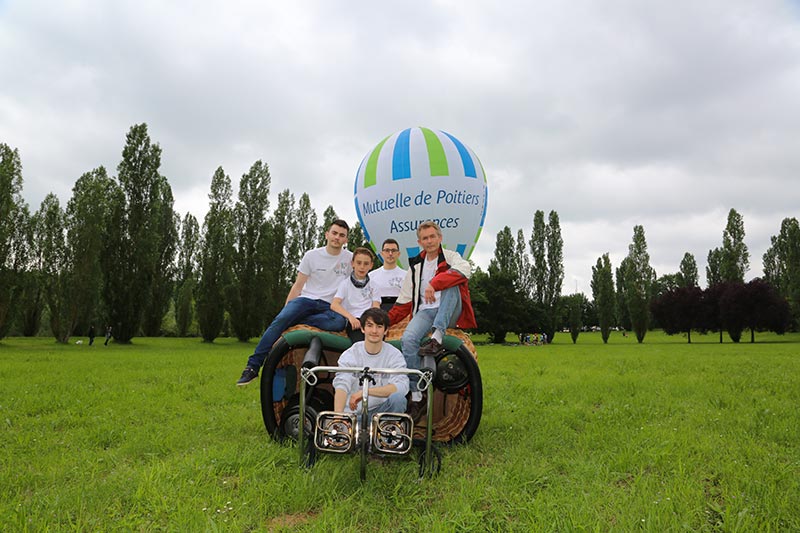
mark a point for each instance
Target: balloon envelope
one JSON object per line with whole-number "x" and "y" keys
{"x": 420, "y": 174}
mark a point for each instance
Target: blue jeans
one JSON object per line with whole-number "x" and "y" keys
{"x": 441, "y": 318}
{"x": 395, "y": 403}
{"x": 301, "y": 310}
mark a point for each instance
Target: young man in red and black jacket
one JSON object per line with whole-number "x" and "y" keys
{"x": 435, "y": 292}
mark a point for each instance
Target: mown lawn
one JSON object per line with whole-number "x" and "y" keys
{"x": 662, "y": 436}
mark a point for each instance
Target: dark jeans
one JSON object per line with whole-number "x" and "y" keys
{"x": 301, "y": 310}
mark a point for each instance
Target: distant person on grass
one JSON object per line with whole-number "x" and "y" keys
{"x": 388, "y": 395}
{"x": 309, "y": 301}
{"x": 356, "y": 294}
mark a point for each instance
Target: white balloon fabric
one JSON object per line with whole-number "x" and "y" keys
{"x": 421, "y": 174}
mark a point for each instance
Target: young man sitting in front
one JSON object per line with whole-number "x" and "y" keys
{"x": 388, "y": 395}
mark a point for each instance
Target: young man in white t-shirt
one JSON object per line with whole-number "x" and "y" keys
{"x": 356, "y": 294}
{"x": 388, "y": 395}
{"x": 388, "y": 279}
{"x": 309, "y": 301}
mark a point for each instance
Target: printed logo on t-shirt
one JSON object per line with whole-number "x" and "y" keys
{"x": 342, "y": 269}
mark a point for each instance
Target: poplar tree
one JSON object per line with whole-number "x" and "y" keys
{"x": 306, "y": 233}
{"x": 576, "y": 305}
{"x": 248, "y": 291}
{"x": 603, "y": 294}
{"x": 355, "y": 237}
{"x": 639, "y": 279}
{"x": 56, "y": 267}
{"x": 280, "y": 256}
{"x": 187, "y": 274}
{"x": 735, "y": 257}
{"x": 504, "y": 259}
{"x": 131, "y": 244}
{"x": 547, "y": 276}
{"x": 31, "y": 299}
{"x": 12, "y": 236}
{"x": 87, "y": 212}
{"x": 623, "y": 315}
{"x": 688, "y": 271}
{"x": 164, "y": 222}
{"x": 782, "y": 263}
{"x": 555, "y": 262}
{"x": 538, "y": 246}
{"x": 328, "y": 216}
{"x": 215, "y": 255}
{"x": 522, "y": 266}
{"x": 714, "y": 267}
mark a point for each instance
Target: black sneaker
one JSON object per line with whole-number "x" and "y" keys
{"x": 432, "y": 348}
{"x": 248, "y": 375}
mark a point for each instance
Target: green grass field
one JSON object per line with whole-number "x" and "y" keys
{"x": 154, "y": 436}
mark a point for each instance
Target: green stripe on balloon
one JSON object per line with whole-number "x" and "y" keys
{"x": 371, "y": 173}
{"x": 436, "y": 155}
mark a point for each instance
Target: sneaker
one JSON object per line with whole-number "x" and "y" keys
{"x": 433, "y": 348}
{"x": 417, "y": 410}
{"x": 248, "y": 375}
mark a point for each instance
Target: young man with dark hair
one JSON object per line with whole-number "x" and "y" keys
{"x": 436, "y": 293}
{"x": 388, "y": 279}
{"x": 309, "y": 300}
{"x": 388, "y": 395}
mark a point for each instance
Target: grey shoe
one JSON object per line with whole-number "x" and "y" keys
{"x": 248, "y": 375}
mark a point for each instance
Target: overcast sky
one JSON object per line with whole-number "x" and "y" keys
{"x": 613, "y": 114}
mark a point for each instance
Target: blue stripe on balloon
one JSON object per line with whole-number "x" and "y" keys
{"x": 461, "y": 248}
{"x": 401, "y": 158}
{"x": 361, "y": 220}
{"x": 412, "y": 252}
{"x": 466, "y": 159}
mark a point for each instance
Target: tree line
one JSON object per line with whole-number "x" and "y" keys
{"x": 119, "y": 255}
{"x": 521, "y": 292}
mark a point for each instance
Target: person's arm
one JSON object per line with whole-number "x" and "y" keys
{"x": 384, "y": 391}
{"x": 337, "y": 307}
{"x": 298, "y": 285}
{"x": 339, "y": 400}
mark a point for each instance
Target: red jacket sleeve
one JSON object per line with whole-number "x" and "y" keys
{"x": 448, "y": 278}
{"x": 398, "y": 312}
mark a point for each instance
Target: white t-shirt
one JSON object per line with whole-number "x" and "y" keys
{"x": 387, "y": 282}
{"x": 356, "y": 300}
{"x": 357, "y": 357}
{"x": 325, "y": 272}
{"x": 428, "y": 271}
